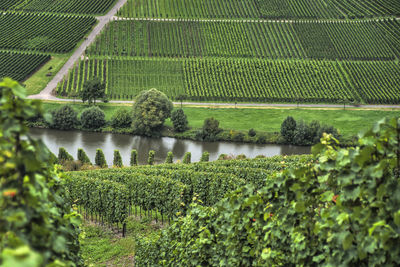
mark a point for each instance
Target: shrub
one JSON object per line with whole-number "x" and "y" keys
{"x": 121, "y": 119}
{"x": 64, "y": 118}
{"x": 150, "y": 160}
{"x": 262, "y": 139}
{"x": 209, "y": 131}
{"x": 238, "y": 136}
{"x": 117, "y": 161}
{"x": 179, "y": 120}
{"x": 170, "y": 158}
{"x": 63, "y": 155}
{"x": 100, "y": 160}
{"x": 93, "y": 118}
{"x": 288, "y": 128}
{"x": 252, "y": 132}
{"x": 150, "y": 110}
{"x": 241, "y": 156}
{"x": 225, "y": 157}
{"x": 82, "y": 157}
{"x": 187, "y": 158}
{"x": 205, "y": 157}
{"x": 134, "y": 158}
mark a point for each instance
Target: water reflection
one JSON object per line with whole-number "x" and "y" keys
{"x": 89, "y": 141}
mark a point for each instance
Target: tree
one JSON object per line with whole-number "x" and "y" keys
{"x": 82, "y": 157}
{"x": 210, "y": 130}
{"x": 288, "y": 127}
{"x": 187, "y": 158}
{"x": 150, "y": 160}
{"x": 99, "y": 159}
{"x": 134, "y": 158}
{"x": 150, "y": 110}
{"x": 37, "y": 225}
{"x": 117, "y": 161}
{"x": 179, "y": 120}
{"x": 93, "y": 118}
{"x": 92, "y": 90}
{"x": 64, "y": 156}
{"x": 121, "y": 119}
{"x": 180, "y": 98}
{"x": 64, "y": 118}
{"x": 170, "y": 158}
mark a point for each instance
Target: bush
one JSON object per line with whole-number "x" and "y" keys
{"x": 64, "y": 156}
{"x": 252, "y": 132}
{"x": 187, "y": 158}
{"x": 238, "y": 136}
{"x": 121, "y": 119}
{"x": 100, "y": 160}
{"x": 241, "y": 156}
{"x": 64, "y": 118}
{"x": 288, "y": 128}
{"x": 117, "y": 161}
{"x": 150, "y": 160}
{"x": 82, "y": 157}
{"x": 262, "y": 139}
{"x": 179, "y": 120}
{"x": 134, "y": 158}
{"x": 205, "y": 157}
{"x": 209, "y": 131}
{"x": 170, "y": 158}
{"x": 150, "y": 110}
{"x": 93, "y": 118}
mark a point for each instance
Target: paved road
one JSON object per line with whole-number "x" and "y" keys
{"x": 45, "y": 94}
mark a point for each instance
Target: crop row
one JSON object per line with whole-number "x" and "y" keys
{"x": 20, "y": 65}
{"x": 168, "y": 188}
{"x": 6, "y": 4}
{"x": 256, "y": 9}
{"x": 42, "y": 32}
{"x": 361, "y": 40}
{"x": 61, "y": 6}
{"x": 243, "y": 79}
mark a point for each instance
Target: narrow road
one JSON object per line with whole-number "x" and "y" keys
{"x": 45, "y": 94}
{"x": 247, "y": 105}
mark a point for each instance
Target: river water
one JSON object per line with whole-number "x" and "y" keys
{"x": 90, "y": 141}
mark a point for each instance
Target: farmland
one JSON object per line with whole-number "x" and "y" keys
{"x": 328, "y": 40}
{"x": 257, "y": 9}
{"x": 242, "y": 79}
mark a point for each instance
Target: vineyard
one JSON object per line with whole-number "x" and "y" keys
{"x": 275, "y": 40}
{"x": 20, "y": 65}
{"x": 242, "y": 79}
{"x": 257, "y": 9}
{"x": 111, "y": 195}
{"x": 47, "y": 33}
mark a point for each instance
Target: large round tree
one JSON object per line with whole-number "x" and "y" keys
{"x": 150, "y": 110}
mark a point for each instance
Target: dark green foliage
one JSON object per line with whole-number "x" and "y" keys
{"x": 64, "y": 118}
{"x": 93, "y": 118}
{"x": 187, "y": 158}
{"x": 100, "y": 160}
{"x": 210, "y": 130}
{"x": 53, "y": 158}
{"x": 252, "y": 132}
{"x": 134, "y": 158}
{"x": 117, "y": 161}
{"x": 150, "y": 160}
{"x": 37, "y": 225}
{"x": 150, "y": 110}
{"x": 121, "y": 119}
{"x": 238, "y": 136}
{"x": 205, "y": 157}
{"x": 309, "y": 134}
{"x": 170, "y": 158}
{"x": 262, "y": 139}
{"x": 342, "y": 210}
{"x": 63, "y": 155}
{"x": 92, "y": 90}
{"x": 179, "y": 120}
{"x": 287, "y": 129}
{"x": 82, "y": 157}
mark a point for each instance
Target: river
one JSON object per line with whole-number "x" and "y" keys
{"x": 90, "y": 141}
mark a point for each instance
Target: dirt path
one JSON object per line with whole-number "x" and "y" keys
{"x": 45, "y": 94}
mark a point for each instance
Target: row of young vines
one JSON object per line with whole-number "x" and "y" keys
{"x": 345, "y": 40}
{"x": 255, "y": 9}
{"x": 242, "y": 79}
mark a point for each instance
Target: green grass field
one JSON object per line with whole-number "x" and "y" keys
{"x": 349, "y": 121}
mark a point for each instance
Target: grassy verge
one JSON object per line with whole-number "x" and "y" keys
{"x": 38, "y": 81}
{"x": 103, "y": 247}
{"x": 349, "y": 121}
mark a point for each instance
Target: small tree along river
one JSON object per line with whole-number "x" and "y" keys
{"x": 90, "y": 141}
